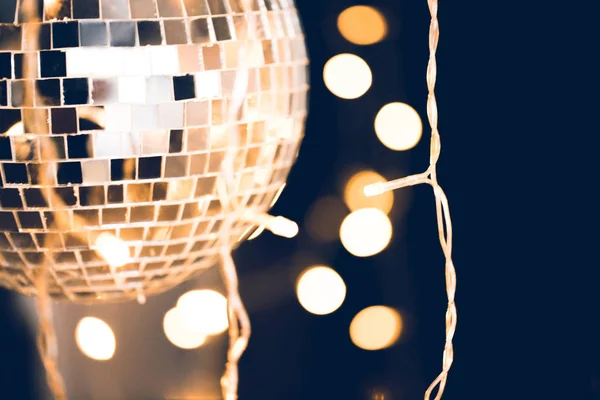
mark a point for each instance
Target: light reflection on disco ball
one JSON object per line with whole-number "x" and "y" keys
{"x": 134, "y": 107}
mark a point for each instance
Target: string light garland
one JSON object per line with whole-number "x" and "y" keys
{"x": 444, "y": 221}
{"x": 255, "y": 90}
{"x": 46, "y": 281}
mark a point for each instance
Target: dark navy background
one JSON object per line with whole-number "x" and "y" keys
{"x": 518, "y": 101}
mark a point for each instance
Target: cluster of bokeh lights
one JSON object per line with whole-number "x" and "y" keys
{"x": 348, "y": 76}
{"x": 364, "y": 231}
{"x": 198, "y": 315}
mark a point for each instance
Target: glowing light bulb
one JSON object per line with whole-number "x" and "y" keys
{"x": 178, "y": 333}
{"x": 113, "y": 250}
{"x": 376, "y": 328}
{"x": 366, "y": 232}
{"x": 95, "y": 339}
{"x": 374, "y": 189}
{"x": 321, "y": 290}
{"x": 280, "y": 226}
{"x": 203, "y": 311}
{"x": 354, "y": 194}
{"x": 362, "y": 25}
{"x": 283, "y": 227}
{"x": 258, "y": 231}
{"x": 347, "y": 76}
{"x": 398, "y": 126}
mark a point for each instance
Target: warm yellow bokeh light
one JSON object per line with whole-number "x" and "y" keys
{"x": 376, "y": 328}
{"x": 203, "y": 311}
{"x": 366, "y": 232}
{"x": 95, "y": 339}
{"x": 347, "y": 76}
{"x": 362, "y": 25}
{"x": 178, "y": 333}
{"x": 324, "y": 218}
{"x": 321, "y": 290}
{"x": 354, "y": 194}
{"x": 113, "y": 250}
{"x": 398, "y": 126}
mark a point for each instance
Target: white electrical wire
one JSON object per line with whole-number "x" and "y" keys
{"x": 47, "y": 342}
{"x": 441, "y": 204}
{"x": 239, "y": 322}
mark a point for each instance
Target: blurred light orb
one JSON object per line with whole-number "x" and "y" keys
{"x": 354, "y": 194}
{"x": 347, "y": 76}
{"x": 95, "y": 339}
{"x": 366, "y": 232}
{"x": 376, "y": 328}
{"x": 178, "y": 333}
{"x": 324, "y": 218}
{"x": 321, "y": 290}
{"x": 398, "y": 126}
{"x": 113, "y": 250}
{"x": 203, "y": 311}
{"x": 362, "y": 25}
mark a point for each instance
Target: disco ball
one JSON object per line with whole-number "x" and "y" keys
{"x": 109, "y": 171}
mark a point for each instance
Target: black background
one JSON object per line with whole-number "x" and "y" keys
{"x": 518, "y": 103}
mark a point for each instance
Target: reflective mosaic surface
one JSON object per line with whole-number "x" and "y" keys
{"x": 120, "y": 146}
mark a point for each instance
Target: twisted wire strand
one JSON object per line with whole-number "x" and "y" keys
{"x": 444, "y": 222}
{"x": 239, "y": 321}
{"x": 239, "y": 335}
{"x": 47, "y": 342}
